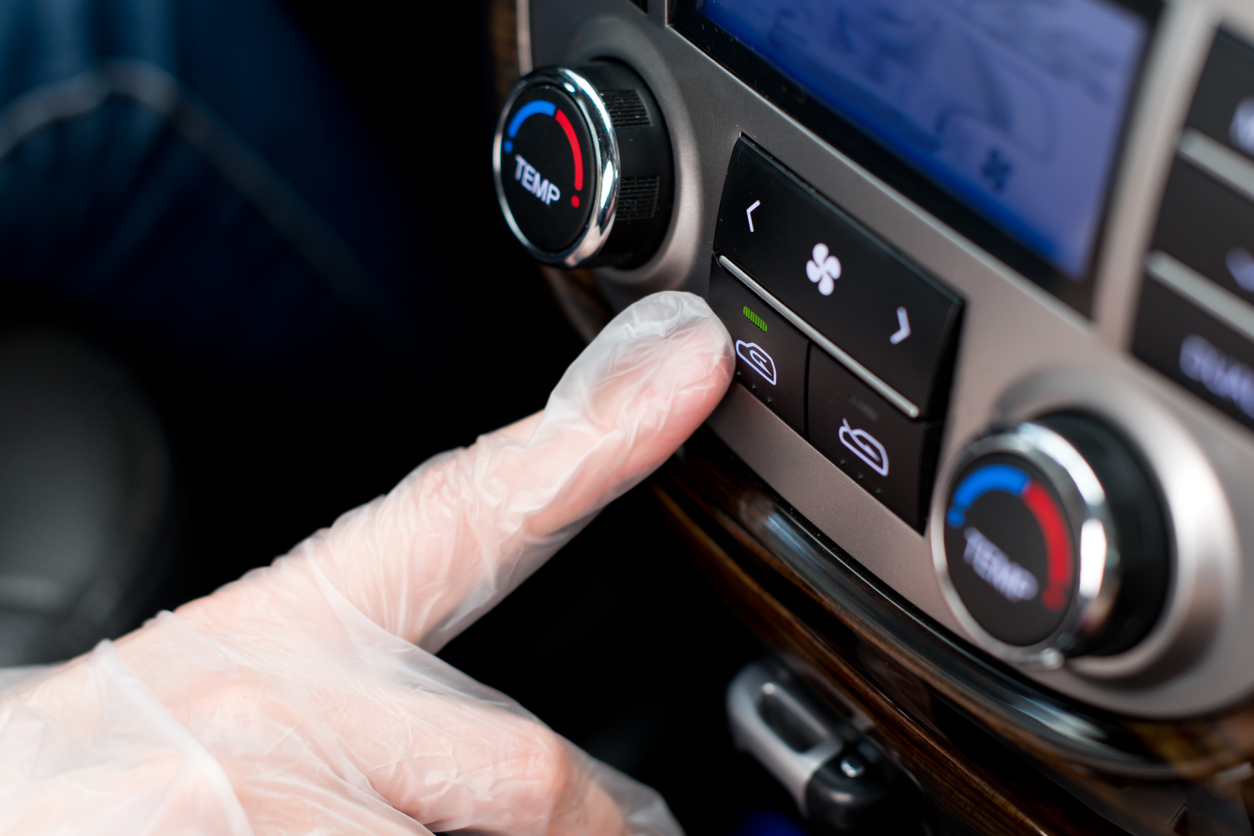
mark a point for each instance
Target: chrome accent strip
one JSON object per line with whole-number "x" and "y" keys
{"x": 890, "y": 394}
{"x": 1218, "y": 160}
{"x": 1225, "y": 306}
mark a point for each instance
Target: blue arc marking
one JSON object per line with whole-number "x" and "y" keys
{"x": 994, "y": 477}
{"x": 530, "y": 109}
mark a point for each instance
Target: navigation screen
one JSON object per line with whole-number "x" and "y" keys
{"x": 1015, "y": 107}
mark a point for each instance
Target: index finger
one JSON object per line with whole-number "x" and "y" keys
{"x": 462, "y": 531}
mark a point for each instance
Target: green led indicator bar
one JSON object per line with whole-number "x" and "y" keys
{"x": 754, "y": 318}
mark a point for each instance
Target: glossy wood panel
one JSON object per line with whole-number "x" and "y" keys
{"x": 894, "y": 707}
{"x": 502, "y": 22}
{"x": 953, "y": 718}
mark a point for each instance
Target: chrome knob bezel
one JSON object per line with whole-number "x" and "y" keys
{"x": 607, "y": 168}
{"x": 1094, "y": 536}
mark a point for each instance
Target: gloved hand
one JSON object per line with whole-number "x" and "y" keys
{"x": 304, "y": 697}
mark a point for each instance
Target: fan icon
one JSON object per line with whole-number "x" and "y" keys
{"x": 824, "y": 269}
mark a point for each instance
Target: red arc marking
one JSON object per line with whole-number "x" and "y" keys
{"x": 574, "y": 147}
{"x": 1057, "y": 544}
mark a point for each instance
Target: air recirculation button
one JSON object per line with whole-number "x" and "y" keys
{"x": 1053, "y": 544}
{"x": 583, "y": 166}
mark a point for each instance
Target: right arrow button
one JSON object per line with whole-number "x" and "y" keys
{"x": 903, "y": 329}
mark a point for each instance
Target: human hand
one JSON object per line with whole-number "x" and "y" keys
{"x": 305, "y": 696}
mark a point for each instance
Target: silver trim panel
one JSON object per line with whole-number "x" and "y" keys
{"x": 1021, "y": 352}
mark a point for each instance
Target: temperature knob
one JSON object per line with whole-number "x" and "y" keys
{"x": 583, "y": 169}
{"x": 1052, "y": 543}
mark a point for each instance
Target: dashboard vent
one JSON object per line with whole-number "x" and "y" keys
{"x": 626, "y": 109}
{"x": 637, "y": 198}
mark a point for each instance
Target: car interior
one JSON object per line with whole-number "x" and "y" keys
{"x": 963, "y": 550}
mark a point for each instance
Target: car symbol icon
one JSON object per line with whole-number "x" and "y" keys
{"x": 865, "y": 446}
{"x": 757, "y": 358}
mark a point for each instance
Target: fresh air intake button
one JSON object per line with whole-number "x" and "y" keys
{"x": 876, "y": 307}
{"x": 1223, "y": 107}
{"x": 1208, "y": 227}
{"x": 891, "y": 457}
{"x": 770, "y": 353}
{"x": 1210, "y": 359}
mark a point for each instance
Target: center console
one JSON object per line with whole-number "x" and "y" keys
{"x": 988, "y": 268}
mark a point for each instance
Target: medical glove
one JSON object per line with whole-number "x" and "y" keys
{"x": 305, "y": 697}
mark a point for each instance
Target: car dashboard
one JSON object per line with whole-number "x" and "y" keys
{"x": 982, "y": 479}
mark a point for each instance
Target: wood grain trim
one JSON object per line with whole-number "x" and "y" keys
{"x": 960, "y": 789}
{"x": 503, "y": 44}
{"x": 978, "y": 768}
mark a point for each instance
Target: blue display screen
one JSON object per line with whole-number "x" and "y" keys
{"x": 1015, "y": 107}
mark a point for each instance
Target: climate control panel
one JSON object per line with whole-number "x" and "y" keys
{"x": 864, "y": 373}
{"x": 993, "y": 321}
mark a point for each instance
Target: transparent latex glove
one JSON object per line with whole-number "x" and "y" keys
{"x": 304, "y": 697}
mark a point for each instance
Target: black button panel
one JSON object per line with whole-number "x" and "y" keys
{"x": 883, "y": 311}
{"x": 770, "y": 353}
{"x": 889, "y": 455}
{"x": 1208, "y": 227}
{"x": 818, "y": 335}
{"x": 1223, "y": 107}
{"x": 1206, "y": 357}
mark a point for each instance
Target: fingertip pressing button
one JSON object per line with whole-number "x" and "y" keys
{"x": 770, "y": 353}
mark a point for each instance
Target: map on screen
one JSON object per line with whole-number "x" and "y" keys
{"x": 1015, "y": 107}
